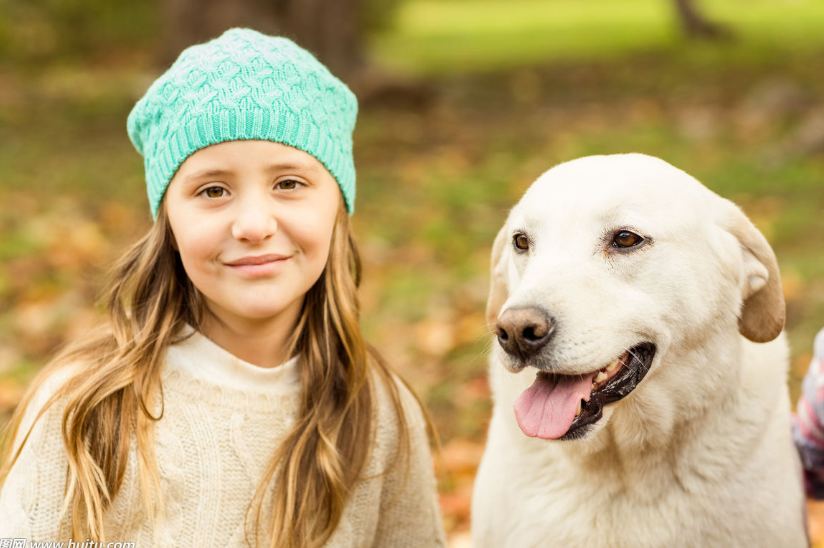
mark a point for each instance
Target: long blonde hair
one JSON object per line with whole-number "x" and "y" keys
{"x": 150, "y": 302}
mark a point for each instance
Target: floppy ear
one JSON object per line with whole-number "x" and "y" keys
{"x": 497, "y": 277}
{"x": 763, "y": 313}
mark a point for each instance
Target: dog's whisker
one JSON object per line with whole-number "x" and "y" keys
{"x": 482, "y": 337}
{"x": 483, "y": 352}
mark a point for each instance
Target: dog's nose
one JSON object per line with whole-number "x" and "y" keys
{"x": 524, "y": 331}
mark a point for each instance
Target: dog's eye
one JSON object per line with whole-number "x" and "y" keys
{"x": 625, "y": 238}
{"x": 520, "y": 241}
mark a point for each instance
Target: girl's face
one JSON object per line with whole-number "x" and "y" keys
{"x": 253, "y": 223}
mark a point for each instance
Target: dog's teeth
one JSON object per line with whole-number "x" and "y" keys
{"x": 613, "y": 365}
{"x": 578, "y": 412}
{"x": 601, "y": 376}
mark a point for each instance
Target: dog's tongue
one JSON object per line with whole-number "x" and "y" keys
{"x": 547, "y": 408}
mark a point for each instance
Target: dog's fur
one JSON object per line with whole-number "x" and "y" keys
{"x": 699, "y": 454}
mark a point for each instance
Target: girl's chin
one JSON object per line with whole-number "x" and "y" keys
{"x": 260, "y": 314}
{"x": 254, "y": 309}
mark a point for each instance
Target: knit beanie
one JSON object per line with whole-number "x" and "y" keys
{"x": 244, "y": 85}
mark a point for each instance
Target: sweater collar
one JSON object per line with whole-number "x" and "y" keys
{"x": 199, "y": 357}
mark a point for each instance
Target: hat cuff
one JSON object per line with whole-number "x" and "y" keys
{"x": 275, "y": 123}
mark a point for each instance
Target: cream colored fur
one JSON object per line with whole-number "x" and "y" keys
{"x": 699, "y": 455}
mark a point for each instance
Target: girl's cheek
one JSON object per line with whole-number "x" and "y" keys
{"x": 198, "y": 246}
{"x": 311, "y": 229}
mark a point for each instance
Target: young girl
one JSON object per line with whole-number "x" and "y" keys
{"x": 231, "y": 399}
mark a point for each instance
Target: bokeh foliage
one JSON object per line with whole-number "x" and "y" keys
{"x": 502, "y": 91}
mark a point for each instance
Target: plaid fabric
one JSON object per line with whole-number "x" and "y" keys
{"x": 808, "y": 423}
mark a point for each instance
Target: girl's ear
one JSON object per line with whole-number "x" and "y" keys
{"x": 763, "y": 312}
{"x": 498, "y": 291}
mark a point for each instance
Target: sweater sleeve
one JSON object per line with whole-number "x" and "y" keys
{"x": 32, "y": 494}
{"x": 409, "y": 512}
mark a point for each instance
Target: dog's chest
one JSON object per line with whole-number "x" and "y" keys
{"x": 559, "y": 504}
{"x": 567, "y": 510}
{"x": 579, "y": 505}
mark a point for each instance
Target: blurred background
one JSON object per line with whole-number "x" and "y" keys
{"x": 463, "y": 104}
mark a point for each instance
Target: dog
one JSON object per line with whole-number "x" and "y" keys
{"x": 639, "y": 373}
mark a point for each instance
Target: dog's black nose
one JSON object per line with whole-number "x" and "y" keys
{"x": 524, "y": 331}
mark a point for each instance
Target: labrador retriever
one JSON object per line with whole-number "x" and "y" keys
{"x": 639, "y": 373}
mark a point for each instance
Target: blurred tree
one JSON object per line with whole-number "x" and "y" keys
{"x": 334, "y": 30}
{"x": 695, "y": 25}
{"x": 47, "y": 30}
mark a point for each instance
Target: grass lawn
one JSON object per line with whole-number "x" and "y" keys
{"x": 441, "y": 37}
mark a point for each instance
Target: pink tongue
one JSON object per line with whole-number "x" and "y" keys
{"x": 547, "y": 408}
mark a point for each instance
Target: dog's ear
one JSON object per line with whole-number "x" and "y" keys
{"x": 497, "y": 277}
{"x": 763, "y": 313}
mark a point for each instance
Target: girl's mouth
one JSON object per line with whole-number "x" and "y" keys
{"x": 258, "y": 265}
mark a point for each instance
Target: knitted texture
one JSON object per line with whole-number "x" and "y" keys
{"x": 244, "y": 85}
{"x": 223, "y": 419}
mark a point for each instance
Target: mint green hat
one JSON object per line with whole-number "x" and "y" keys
{"x": 244, "y": 85}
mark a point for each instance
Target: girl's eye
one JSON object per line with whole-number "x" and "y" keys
{"x": 625, "y": 238}
{"x": 214, "y": 192}
{"x": 521, "y": 242}
{"x": 288, "y": 184}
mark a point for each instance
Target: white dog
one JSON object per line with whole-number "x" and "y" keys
{"x": 630, "y": 412}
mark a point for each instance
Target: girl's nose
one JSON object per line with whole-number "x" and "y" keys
{"x": 254, "y": 222}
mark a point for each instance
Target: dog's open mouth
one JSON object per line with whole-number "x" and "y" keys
{"x": 560, "y": 406}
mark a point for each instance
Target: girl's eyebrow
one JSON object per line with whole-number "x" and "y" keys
{"x": 207, "y": 173}
{"x": 281, "y": 166}
{"x": 286, "y": 166}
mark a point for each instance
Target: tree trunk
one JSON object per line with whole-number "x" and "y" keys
{"x": 696, "y": 25}
{"x": 331, "y": 29}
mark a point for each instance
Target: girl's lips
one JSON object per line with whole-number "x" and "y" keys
{"x": 255, "y": 260}
{"x": 258, "y": 265}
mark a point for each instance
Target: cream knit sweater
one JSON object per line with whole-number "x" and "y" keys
{"x": 223, "y": 419}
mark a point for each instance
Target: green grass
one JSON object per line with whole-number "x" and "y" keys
{"x": 439, "y": 37}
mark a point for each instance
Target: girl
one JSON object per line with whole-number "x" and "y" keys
{"x": 231, "y": 399}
